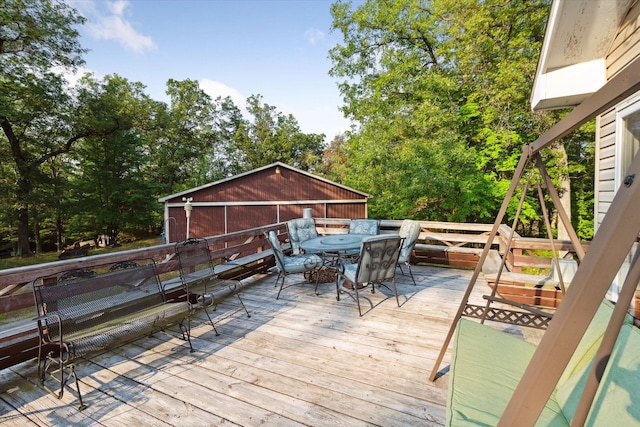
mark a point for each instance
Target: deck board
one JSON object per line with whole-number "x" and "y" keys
{"x": 300, "y": 360}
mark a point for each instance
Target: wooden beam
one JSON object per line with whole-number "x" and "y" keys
{"x": 608, "y": 341}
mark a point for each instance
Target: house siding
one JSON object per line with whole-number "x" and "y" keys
{"x": 625, "y": 47}
{"x": 605, "y": 163}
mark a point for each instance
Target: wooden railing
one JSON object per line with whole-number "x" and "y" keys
{"x": 247, "y": 253}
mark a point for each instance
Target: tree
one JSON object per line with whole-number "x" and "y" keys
{"x": 440, "y": 92}
{"x": 110, "y": 191}
{"x": 39, "y": 118}
{"x": 218, "y": 159}
{"x": 274, "y": 137}
{"x": 180, "y": 133}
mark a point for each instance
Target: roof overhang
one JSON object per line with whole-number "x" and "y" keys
{"x": 578, "y": 37}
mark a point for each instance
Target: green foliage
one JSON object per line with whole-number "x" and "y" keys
{"x": 438, "y": 89}
{"x": 274, "y": 137}
{"x": 440, "y": 92}
{"x": 36, "y": 38}
{"x": 109, "y": 188}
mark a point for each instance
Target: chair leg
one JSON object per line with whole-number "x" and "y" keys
{"x": 281, "y": 285}
{"x": 186, "y": 332}
{"x": 243, "y": 306}
{"x": 411, "y": 274}
{"x": 355, "y": 288}
{"x": 395, "y": 290}
{"x": 211, "y": 321}
{"x": 318, "y": 280}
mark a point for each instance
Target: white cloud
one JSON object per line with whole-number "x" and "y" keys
{"x": 313, "y": 35}
{"x": 113, "y": 25}
{"x": 72, "y": 77}
{"x": 217, "y": 89}
{"x": 118, "y": 7}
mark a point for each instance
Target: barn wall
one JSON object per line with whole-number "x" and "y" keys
{"x": 260, "y": 198}
{"x": 207, "y": 221}
{"x": 345, "y": 210}
{"x": 267, "y": 185}
{"x": 244, "y": 217}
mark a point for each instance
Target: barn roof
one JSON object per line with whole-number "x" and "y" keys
{"x": 251, "y": 172}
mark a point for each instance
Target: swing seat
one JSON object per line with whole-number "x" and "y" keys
{"x": 532, "y": 289}
{"x": 487, "y": 364}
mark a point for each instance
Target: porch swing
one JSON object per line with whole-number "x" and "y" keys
{"x": 543, "y": 367}
{"x": 530, "y": 293}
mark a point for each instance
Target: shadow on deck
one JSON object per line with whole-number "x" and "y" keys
{"x": 300, "y": 360}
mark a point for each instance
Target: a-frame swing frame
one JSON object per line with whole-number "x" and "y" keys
{"x": 609, "y": 247}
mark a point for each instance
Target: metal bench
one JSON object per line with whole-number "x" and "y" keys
{"x": 200, "y": 279}
{"x": 83, "y": 312}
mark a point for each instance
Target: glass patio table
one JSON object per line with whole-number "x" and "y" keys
{"x": 334, "y": 245}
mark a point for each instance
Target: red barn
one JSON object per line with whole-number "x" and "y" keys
{"x": 263, "y": 196}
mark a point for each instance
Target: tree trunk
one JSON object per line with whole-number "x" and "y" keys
{"x": 59, "y": 231}
{"x": 36, "y": 231}
{"x": 23, "y": 230}
{"x": 564, "y": 190}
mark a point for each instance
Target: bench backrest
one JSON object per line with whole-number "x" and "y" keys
{"x": 83, "y": 299}
{"x": 194, "y": 260}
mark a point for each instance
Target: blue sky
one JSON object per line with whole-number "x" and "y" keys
{"x": 275, "y": 48}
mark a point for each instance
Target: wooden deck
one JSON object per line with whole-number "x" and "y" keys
{"x": 301, "y": 360}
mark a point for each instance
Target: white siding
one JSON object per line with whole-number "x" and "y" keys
{"x": 605, "y": 163}
{"x": 625, "y": 47}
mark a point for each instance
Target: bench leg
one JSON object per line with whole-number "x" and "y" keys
{"x": 243, "y": 306}
{"x": 186, "y": 332}
{"x": 75, "y": 377}
{"x": 43, "y": 368}
{"x": 211, "y": 321}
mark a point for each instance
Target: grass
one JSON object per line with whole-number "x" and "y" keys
{"x": 53, "y": 256}
{"x": 13, "y": 262}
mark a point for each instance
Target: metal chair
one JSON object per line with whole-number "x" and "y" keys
{"x": 292, "y": 264}
{"x": 199, "y": 279}
{"x": 409, "y": 231}
{"x": 376, "y": 264}
{"x": 300, "y": 230}
{"x": 364, "y": 226}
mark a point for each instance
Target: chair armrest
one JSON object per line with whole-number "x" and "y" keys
{"x": 56, "y": 317}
